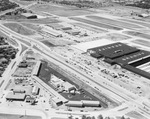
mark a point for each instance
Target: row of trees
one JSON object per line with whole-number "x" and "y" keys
{"x": 145, "y": 4}
{"x": 81, "y": 3}
{"x": 77, "y": 3}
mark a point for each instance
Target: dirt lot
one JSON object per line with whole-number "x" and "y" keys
{"x": 10, "y": 116}
{"x": 135, "y": 115}
{"x": 64, "y": 11}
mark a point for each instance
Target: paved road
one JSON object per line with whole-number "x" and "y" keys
{"x": 47, "y": 50}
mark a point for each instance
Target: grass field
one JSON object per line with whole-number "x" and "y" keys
{"x": 32, "y": 26}
{"x": 114, "y": 22}
{"x": 116, "y": 37}
{"x": 19, "y": 28}
{"x": 65, "y": 11}
{"x": 135, "y": 115}
{"x": 142, "y": 42}
{"x": 10, "y": 116}
{"x": 24, "y": 3}
{"x": 91, "y": 28}
{"x": 138, "y": 34}
{"x": 101, "y": 25}
{"x": 39, "y": 21}
{"x": 137, "y": 22}
{"x": 56, "y": 42}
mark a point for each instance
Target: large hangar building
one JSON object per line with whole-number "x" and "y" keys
{"x": 126, "y": 56}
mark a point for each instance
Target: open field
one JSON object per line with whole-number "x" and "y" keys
{"x": 114, "y": 22}
{"x": 64, "y": 11}
{"x": 135, "y": 115}
{"x": 39, "y": 21}
{"x": 24, "y": 3}
{"x": 115, "y": 37}
{"x": 56, "y": 42}
{"x": 138, "y": 34}
{"x": 123, "y": 11}
{"x": 91, "y": 28}
{"x": 32, "y": 26}
{"x": 142, "y": 42}
{"x": 101, "y": 25}
{"x": 137, "y": 22}
{"x": 10, "y": 116}
{"x": 19, "y": 28}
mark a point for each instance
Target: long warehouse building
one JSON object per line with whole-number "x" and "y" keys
{"x": 83, "y": 103}
{"x": 51, "y": 31}
{"x": 36, "y": 68}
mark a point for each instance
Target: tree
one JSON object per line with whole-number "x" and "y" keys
{"x": 100, "y": 117}
{"x": 122, "y": 117}
{"x": 70, "y": 117}
{"x": 93, "y": 117}
{"x": 107, "y": 117}
{"x": 83, "y": 117}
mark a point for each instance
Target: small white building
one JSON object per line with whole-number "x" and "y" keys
{"x": 36, "y": 68}
{"x": 67, "y": 86}
{"x": 35, "y": 90}
{"x": 90, "y": 103}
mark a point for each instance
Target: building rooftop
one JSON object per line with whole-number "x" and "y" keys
{"x": 16, "y": 96}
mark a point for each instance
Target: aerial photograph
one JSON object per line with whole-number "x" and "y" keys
{"x": 74, "y": 59}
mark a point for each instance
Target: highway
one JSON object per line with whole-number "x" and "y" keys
{"x": 46, "y": 52}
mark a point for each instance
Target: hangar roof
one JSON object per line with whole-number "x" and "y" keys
{"x": 127, "y": 59}
{"x": 114, "y": 50}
